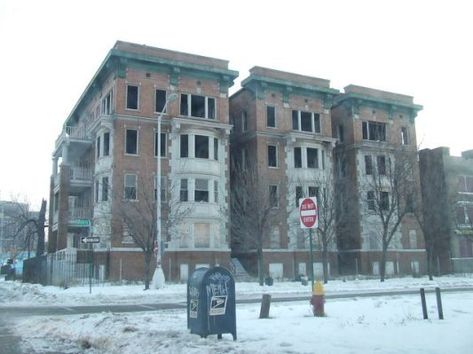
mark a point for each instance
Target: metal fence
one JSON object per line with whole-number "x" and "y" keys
{"x": 64, "y": 268}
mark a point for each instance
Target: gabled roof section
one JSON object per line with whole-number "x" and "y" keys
{"x": 287, "y": 80}
{"x": 368, "y": 94}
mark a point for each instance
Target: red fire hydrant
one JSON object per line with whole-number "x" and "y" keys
{"x": 318, "y": 299}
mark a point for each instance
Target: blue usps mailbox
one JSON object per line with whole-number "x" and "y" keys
{"x": 211, "y": 302}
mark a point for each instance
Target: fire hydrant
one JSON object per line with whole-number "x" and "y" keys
{"x": 318, "y": 299}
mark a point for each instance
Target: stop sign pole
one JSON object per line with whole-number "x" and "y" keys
{"x": 309, "y": 220}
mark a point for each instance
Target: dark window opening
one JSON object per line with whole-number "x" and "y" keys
{"x": 183, "y": 193}
{"x": 371, "y": 201}
{"x": 198, "y": 106}
{"x": 306, "y": 122}
{"x": 131, "y": 144}
{"x": 104, "y": 189}
{"x": 273, "y": 196}
{"x": 299, "y": 194}
{"x": 184, "y": 145}
{"x": 272, "y": 156}
{"x": 368, "y": 165}
{"x": 297, "y": 157}
{"x": 210, "y": 108}
{"x": 384, "y": 200}
{"x": 160, "y": 101}
{"x": 184, "y": 105}
{"x": 404, "y": 137}
{"x": 215, "y": 149}
{"x": 312, "y": 158}
{"x": 381, "y": 161}
{"x": 106, "y": 144}
{"x": 374, "y": 131}
{"x": 341, "y": 136}
{"x": 295, "y": 120}
{"x": 130, "y": 187}
{"x": 98, "y": 147}
{"x": 314, "y": 192}
{"x": 132, "y": 97}
{"x": 202, "y": 146}
{"x": 270, "y": 117}
{"x": 317, "y": 122}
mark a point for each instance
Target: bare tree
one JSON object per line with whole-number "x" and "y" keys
{"x": 27, "y": 226}
{"x": 388, "y": 194}
{"x": 138, "y": 210}
{"x": 253, "y": 205}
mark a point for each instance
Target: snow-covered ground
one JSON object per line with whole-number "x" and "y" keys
{"x": 388, "y": 324}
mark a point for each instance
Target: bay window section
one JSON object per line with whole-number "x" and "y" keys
{"x": 306, "y": 121}
{"x": 197, "y": 106}
{"x": 201, "y": 193}
{"x": 201, "y": 146}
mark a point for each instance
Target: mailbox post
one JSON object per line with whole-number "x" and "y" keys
{"x": 211, "y": 302}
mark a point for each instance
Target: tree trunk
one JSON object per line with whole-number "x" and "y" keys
{"x": 260, "y": 260}
{"x": 148, "y": 255}
{"x": 40, "y": 229}
{"x": 325, "y": 259}
{"x": 382, "y": 264}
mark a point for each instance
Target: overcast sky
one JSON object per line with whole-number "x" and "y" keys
{"x": 51, "y": 49}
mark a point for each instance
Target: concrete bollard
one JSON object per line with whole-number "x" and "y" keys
{"x": 318, "y": 299}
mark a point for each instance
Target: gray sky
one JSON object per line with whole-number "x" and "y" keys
{"x": 51, "y": 49}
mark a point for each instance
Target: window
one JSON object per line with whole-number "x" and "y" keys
{"x": 306, "y": 121}
{"x": 381, "y": 162}
{"x": 201, "y": 193}
{"x": 106, "y": 105}
{"x": 314, "y": 192}
{"x": 368, "y": 165}
{"x": 412, "y": 239}
{"x": 197, "y": 106}
{"x": 162, "y": 143}
{"x": 244, "y": 121}
{"x": 159, "y": 100}
{"x": 106, "y": 144}
{"x": 374, "y": 131}
{"x": 184, "y": 145}
{"x": 130, "y": 186}
{"x": 56, "y": 201}
{"x": 105, "y": 189}
{"x": 404, "y": 137}
{"x": 341, "y": 136}
{"x": 183, "y": 194}
{"x": 384, "y": 200}
{"x": 244, "y": 158}
{"x": 272, "y": 156}
{"x": 201, "y": 235}
{"x": 132, "y": 93}
{"x": 371, "y": 201}
{"x": 465, "y": 184}
{"x": 299, "y": 194}
{"x": 131, "y": 143}
{"x": 273, "y": 196}
{"x": 202, "y": 146}
{"x": 163, "y": 188}
{"x": 98, "y": 147}
{"x": 270, "y": 116}
{"x": 215, "y": 149}
{"x": 275, "y": 239}
{"x": 297, "y": 157}
{"x": 312, "y": 158}
{"x": 323, "y": 159}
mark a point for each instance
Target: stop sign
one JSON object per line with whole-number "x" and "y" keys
{"x": 308, "y": 212}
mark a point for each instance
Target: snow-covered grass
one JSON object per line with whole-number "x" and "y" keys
{"x": 363, "y": 325}
{"x": 18, "y": 294}
{"x": 387, "y": 324}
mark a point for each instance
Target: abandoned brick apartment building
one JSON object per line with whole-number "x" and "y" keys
{"x": 289, "y": 126}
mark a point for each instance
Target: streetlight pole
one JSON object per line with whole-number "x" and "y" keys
{"x": 158, "y": 276}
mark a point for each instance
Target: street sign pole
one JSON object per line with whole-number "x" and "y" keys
{"x": 311, "y": 260}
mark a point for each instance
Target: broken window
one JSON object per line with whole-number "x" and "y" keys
{"x": 306, "y": 121}
{"x": 131, "y": 144}
{"x": 197, "y": 106}
{"x": 159, "y": 100}
{"x": 162, "y": 143}
{"x": 297, "y": 157}
{"x": 404, "y": 137}
{"x": 106, "y": 144}
{"x": 183, "y": 193}
{"x": 105, "y": 189}
{"x": 270, "y": 116}
{"x": 273, "y": 196}
{"x": 368, "y": 165}
{"x": 202, "y": 146}
{"x": 185, "y": 145}
{"x": 370, "y": 200}
{"x": 381, "y": 162}
{"x": 201, "y": 193}
{"x": 312, "y": 158}
{"x": 132, "y": 97}
{"x": 130, "y": 187}
{"x": 272, "y": 156}
{"x": 384, "y": 200}
{"x": 374, "y": 131}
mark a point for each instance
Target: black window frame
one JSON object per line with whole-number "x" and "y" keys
{"x": 314, "y": 161}
{"x": 160, "y": 97}
{"x": 184, "y": 145}
{"x": 129, "y": 150}
{"x": 163, "y": 144}
{"x": 271, "y": 116}
{"x": 132, "y": 98}
{"x": 272, "y": 160}
{"x": 201, "y": 148}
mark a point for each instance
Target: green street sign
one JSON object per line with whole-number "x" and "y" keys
{"x": 80, "y": 222}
